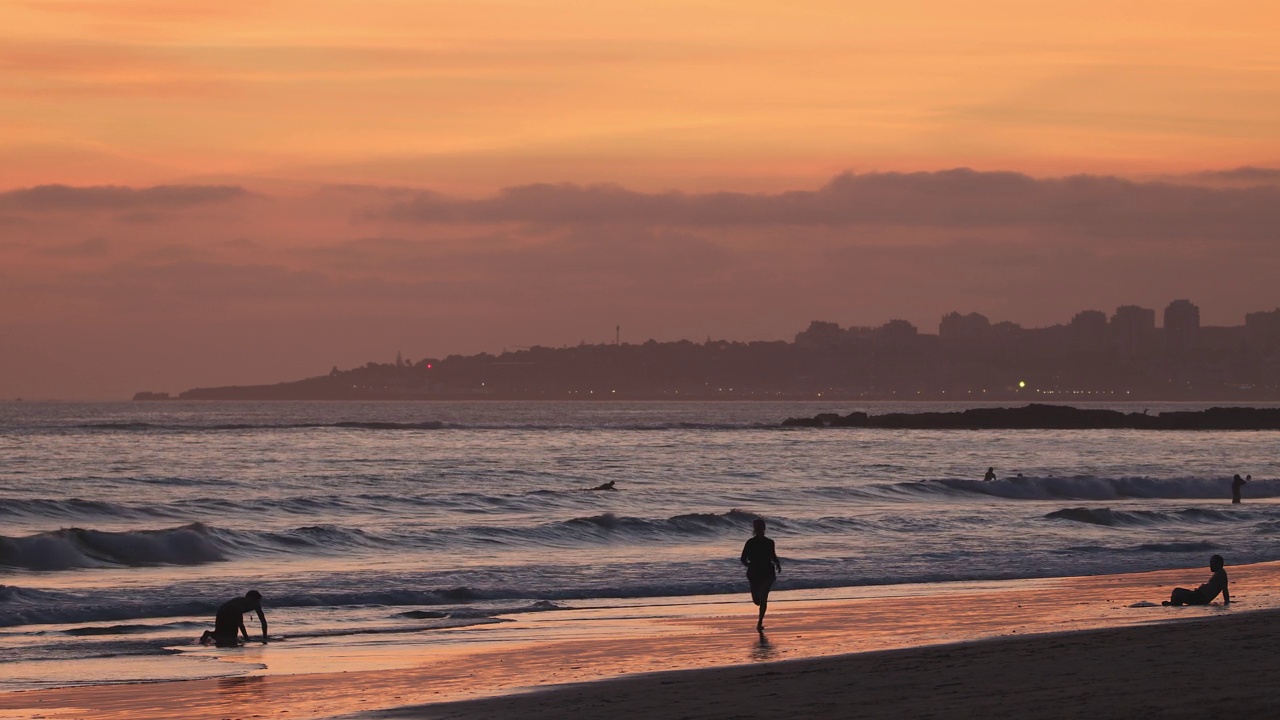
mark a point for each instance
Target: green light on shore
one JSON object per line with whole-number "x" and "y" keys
{"x": 1022, "y": 383}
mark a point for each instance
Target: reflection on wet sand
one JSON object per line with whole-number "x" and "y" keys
{"x": 762, "y": 650}
{"x": 577, "y": 645}
{"x": 252, "y": 688}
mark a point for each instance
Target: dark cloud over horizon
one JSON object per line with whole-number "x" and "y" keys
{"x": 341, "y": 274}
{"x": 1101, "y": 206}
{"x": 1247, "y": 175}
{"x": 66, "y": 198}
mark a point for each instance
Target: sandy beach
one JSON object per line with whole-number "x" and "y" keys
{"x": 936, "y": 650}
{"x": 1219, "y": 667}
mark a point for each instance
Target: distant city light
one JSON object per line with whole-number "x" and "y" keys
{"x": 1022, "y": 383}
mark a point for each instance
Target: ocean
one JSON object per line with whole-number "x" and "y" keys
{"x": 124, "y": 525}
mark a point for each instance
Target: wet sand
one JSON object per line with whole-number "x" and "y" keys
{"x": 938, "y": 650}
{"x": 1219, "y": 667}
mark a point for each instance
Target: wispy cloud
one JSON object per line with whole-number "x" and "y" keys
{"x": 1247, "y": 175}
{"x": 93, "y": 247}
{"x": 962, "y": 198}
{"x": 64, "y": 198}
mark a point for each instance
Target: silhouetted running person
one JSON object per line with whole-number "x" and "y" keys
{"x": 991, "y": 475}
{"x": 761, "y": 559}
{"x": 230, "y": 618}
{"x": 1204, "y": 594}
{"x": 1236, "y": 483}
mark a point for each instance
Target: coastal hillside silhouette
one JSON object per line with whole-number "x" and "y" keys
{"x": 970, "y": 358}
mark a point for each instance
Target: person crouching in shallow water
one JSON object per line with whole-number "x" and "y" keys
{"x": 1204, "y": 594}
{"x": 230, "y": 618}
{"x": 761, "y": 559}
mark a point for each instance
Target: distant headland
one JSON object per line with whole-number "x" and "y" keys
{"x": 1052, "y": 417}
{"x": 1091, "y": 358}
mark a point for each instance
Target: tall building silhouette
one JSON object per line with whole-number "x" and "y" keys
{"x": 1133, "y": 330}
{"x": 1262, "y": 330}
{"x": 1181, "y": 327}
{"x": 955, "y": 326}
{"x": 1088, "y": 331}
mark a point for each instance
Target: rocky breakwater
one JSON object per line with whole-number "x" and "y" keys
{"x": 1052, "y": 417}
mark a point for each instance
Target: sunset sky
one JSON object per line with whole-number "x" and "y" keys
{"x": 205, "y": 193}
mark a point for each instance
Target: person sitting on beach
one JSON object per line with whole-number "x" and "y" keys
{"x": 1204, "y": 594}
{"x": 1236, "y": 483}
{"x": 230, "y": 618}
{"x": 761, "y": 558}
{"x": 991, "y": 475}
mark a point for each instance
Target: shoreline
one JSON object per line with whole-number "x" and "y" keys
{"x": 1124, "y": 672}
{"x": 585, "y": 649}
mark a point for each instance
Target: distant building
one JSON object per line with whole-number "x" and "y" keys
{"x": 955, "y": 326}
{"x": 1262, "y": 329}
{"x": 1133, "y": 330}
{"x": 1181, "y": 327}
{"x": 1090, "y": 321}
{"x": 820, "y": 334}
{"x": 897, "y": 331}
{"x": 1006, "y": 328}
{"x": 1088, "y": 331}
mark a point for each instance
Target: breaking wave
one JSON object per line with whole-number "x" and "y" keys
{"x": 180, "y": 427}
{"x": 79, "y": 548}
{"x": 1135, "y": 518}
{"x": 197, "y": 543}
{"x": 1087, "y": 487}
{"x": 163, "y": 428}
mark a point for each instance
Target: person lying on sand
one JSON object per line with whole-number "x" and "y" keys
{"x": 230, "y": 618}
{"x": 1204, "y": 594}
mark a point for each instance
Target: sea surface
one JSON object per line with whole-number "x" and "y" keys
{"x": 124, "y": 525}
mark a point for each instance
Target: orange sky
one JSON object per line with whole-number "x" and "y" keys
{"x": 353, "y": 174}
{"x": 481, "y": 94}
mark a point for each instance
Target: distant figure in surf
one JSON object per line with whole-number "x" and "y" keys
{"x": 230, "y": 618}
{"x": 991, "y": 475}
{"x": 1204, "y": 594}
{"x": 761, "y": 559}
{"x": 605, "y": 486}
{"x": 1236, "y": 483}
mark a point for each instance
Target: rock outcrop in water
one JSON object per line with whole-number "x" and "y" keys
{"x": 1052, "y": 417}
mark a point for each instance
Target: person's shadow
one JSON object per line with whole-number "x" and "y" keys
{"x": 763, "y": 650}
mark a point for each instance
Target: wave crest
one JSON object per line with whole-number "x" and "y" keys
{"x": 70, "y": 548}
{"x": 1089, "y": 487}
{"x": 1135, "y": 518}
